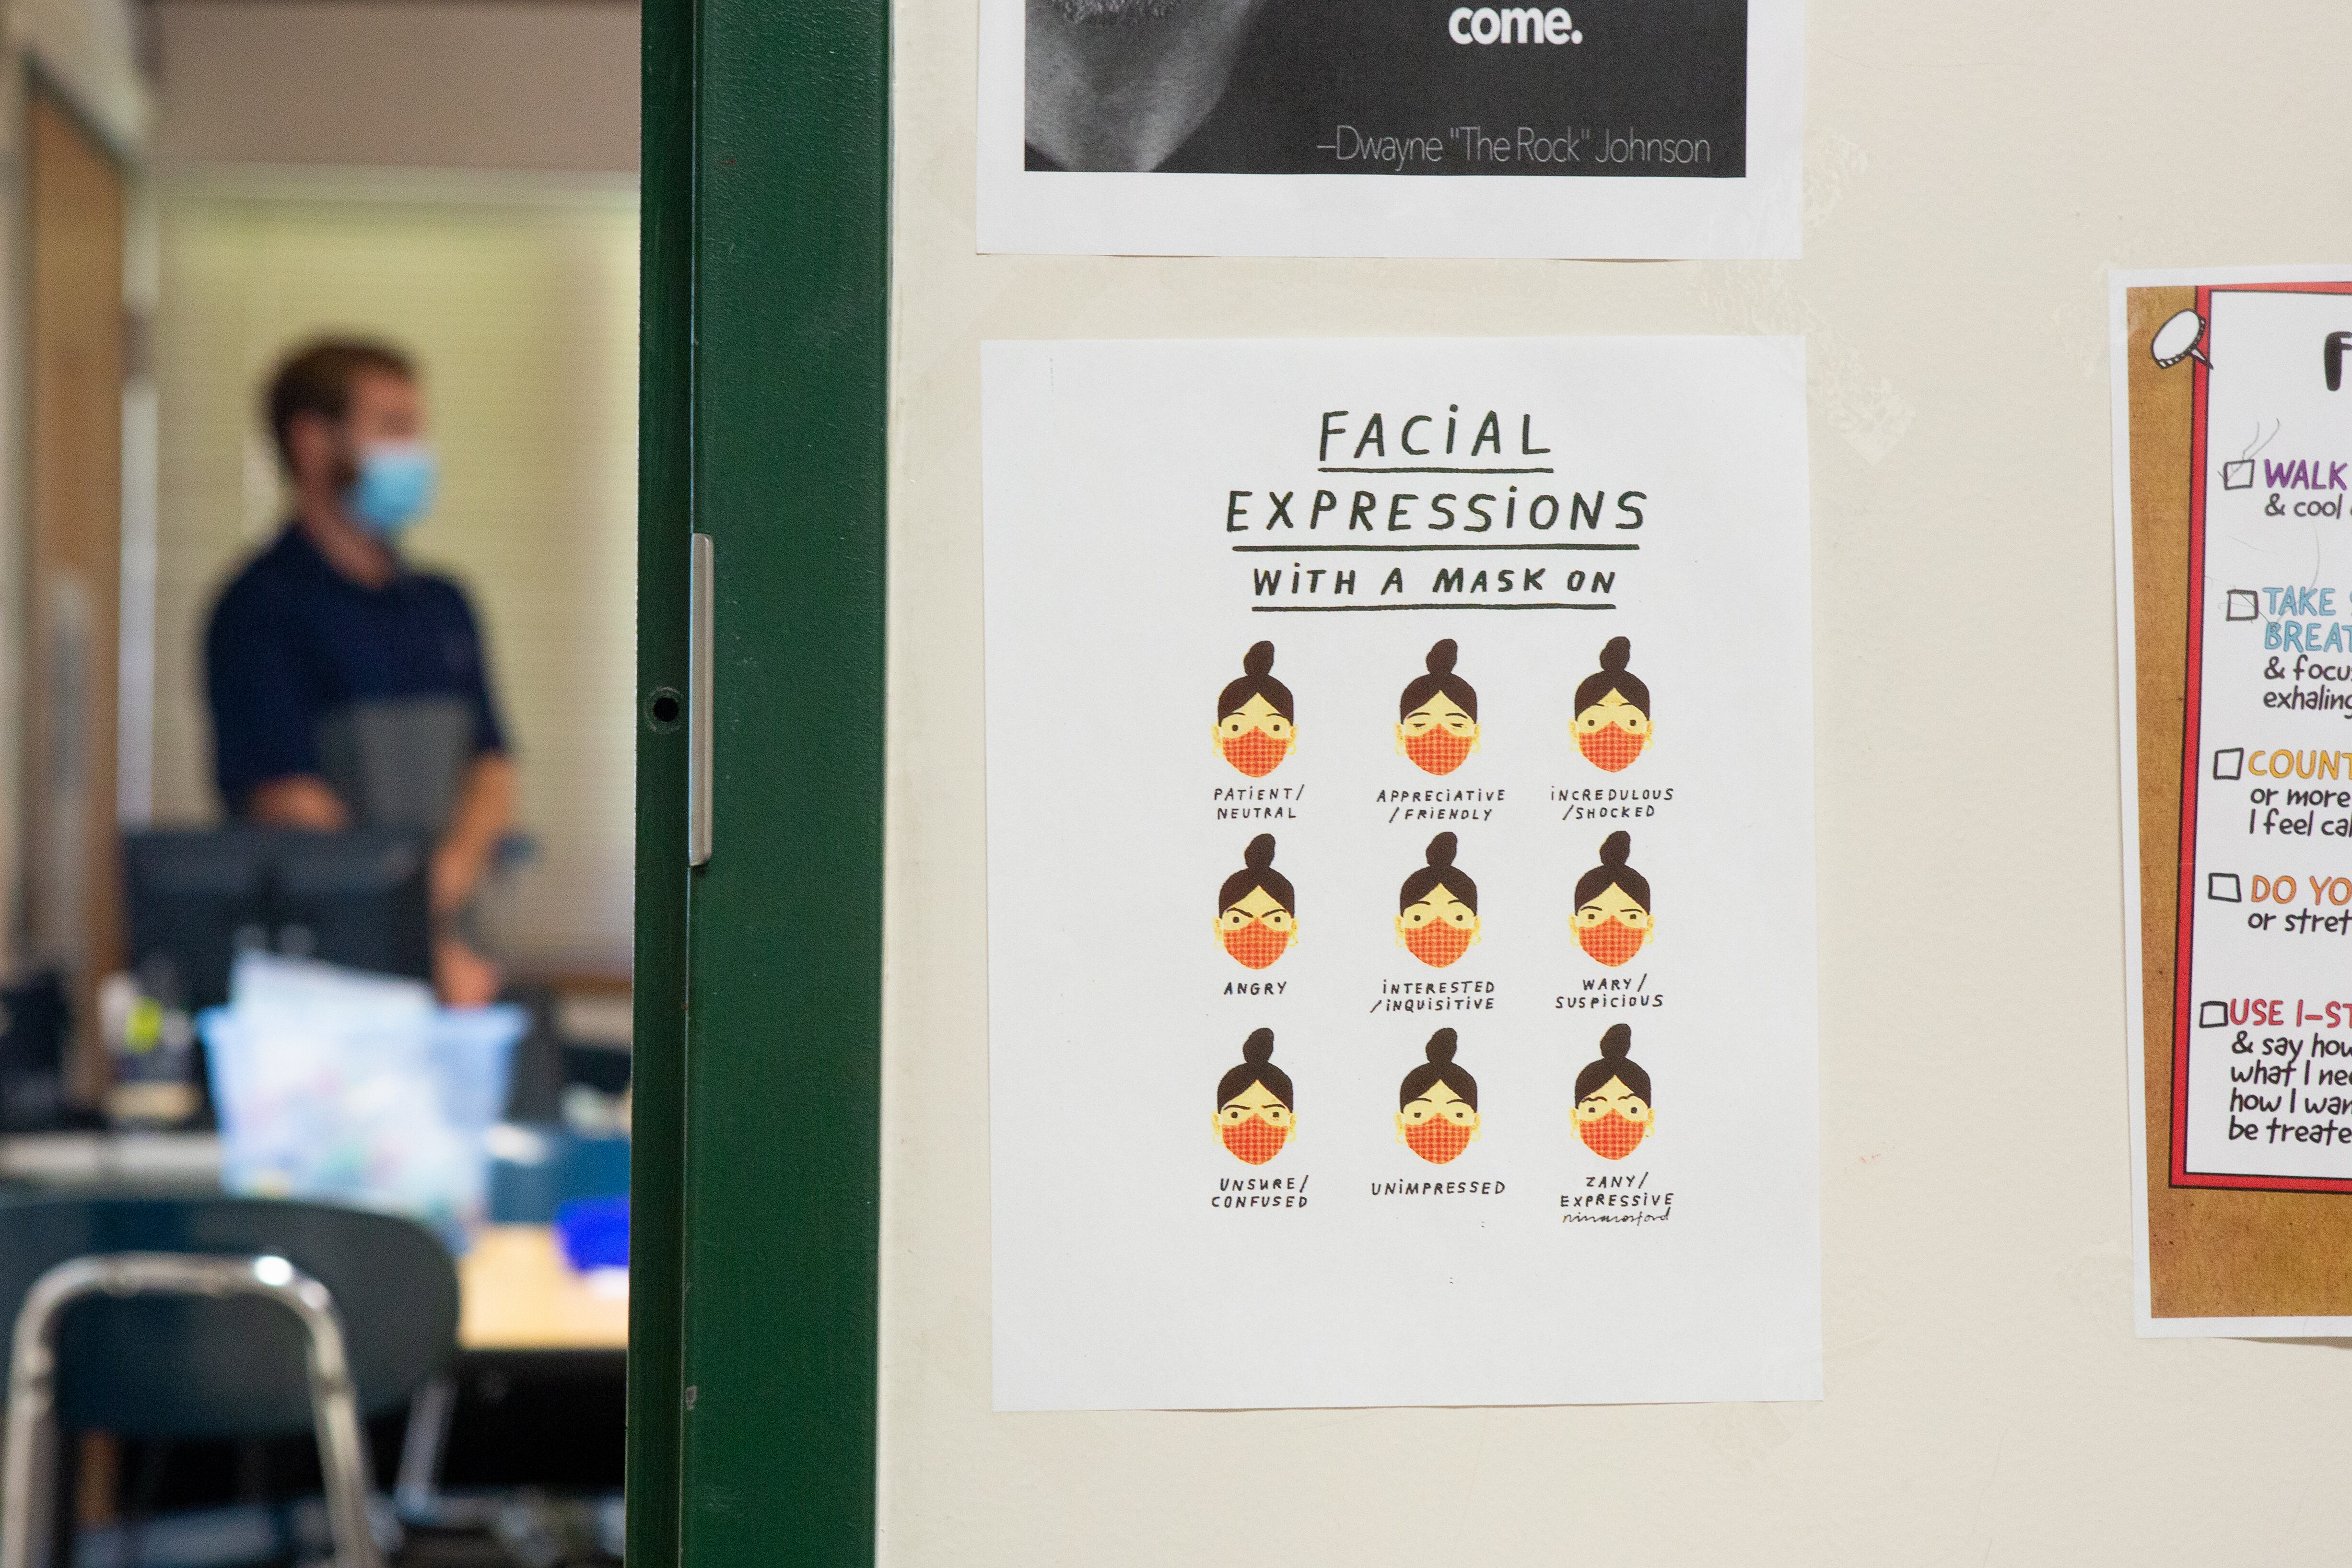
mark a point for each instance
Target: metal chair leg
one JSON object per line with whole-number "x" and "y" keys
{"x": 32, "y": 1382}
{"x": 415, "y": 1493}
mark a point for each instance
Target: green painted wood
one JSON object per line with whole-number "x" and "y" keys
{"x": 785, "y": 408}
{"x": 657, "y": 1095}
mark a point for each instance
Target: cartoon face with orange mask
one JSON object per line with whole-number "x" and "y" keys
{"x": 1437, "y": 717}
{"x": 1254, "y": 1120}
{"x": 1256, "y": 726}
{"x": 1612, "y": 712}
{"x": 1437, "y": 1104}
{"x": 1258, "y": 919}
{"x": 1437, "y": 907}
{"x": 1614, "y": 1113}
{"x": 1612, "y": 917}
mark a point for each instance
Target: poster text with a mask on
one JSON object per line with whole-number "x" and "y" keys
{"x": 1400, "y": 872}
{"x": 1600, "y": 128}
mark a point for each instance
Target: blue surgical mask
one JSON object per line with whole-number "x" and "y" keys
{"x": 394, "y": 488}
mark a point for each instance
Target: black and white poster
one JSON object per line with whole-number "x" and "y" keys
{"x": 1602, "y": 128}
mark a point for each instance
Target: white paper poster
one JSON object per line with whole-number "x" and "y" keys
{"x": 1400, "y": 872}
{"x": 1604, "y": 128}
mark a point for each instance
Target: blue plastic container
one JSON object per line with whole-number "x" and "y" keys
{"x": 594, "y": 1233}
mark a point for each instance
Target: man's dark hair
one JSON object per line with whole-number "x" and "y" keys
{"x": 317, "y": 377}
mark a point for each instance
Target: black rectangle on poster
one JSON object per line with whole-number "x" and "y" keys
{"x": 1604, "y": 89}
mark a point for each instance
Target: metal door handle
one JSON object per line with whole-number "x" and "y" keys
{"x": 698, "y": 702}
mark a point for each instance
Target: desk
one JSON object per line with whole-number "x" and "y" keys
{"x": 111, "y": 1159}
{"x": 516, "y": 1292}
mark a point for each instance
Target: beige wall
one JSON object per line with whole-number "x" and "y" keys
{"x": 1971, "y": 173}
{"x": 523, "y": 313}
{"x": 527, "y": 84}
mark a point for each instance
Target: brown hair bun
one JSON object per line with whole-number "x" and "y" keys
{"x": 1257, "y": 1066}
{"x": 1440, "y": 872}
{"x": 1257, "y": 680}
{"x": 1440, "y": 681}
{"x": 1257, "y": 871}
{"x": 1616, "y": 1062}
{"x": 1439, "y": 1069}
{"x": 1613, "y": 677}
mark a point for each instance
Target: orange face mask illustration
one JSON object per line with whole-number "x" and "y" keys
{"x": 1254, "y": 944}
{"x": 1612, "y": 919}
{"x": 1254, "y": 1140}
{"x": 1609, "y": 941}
{"x": 1614, "y": 1112}
{"x": 1437, "y": 943}
{"x": 1609, "y": 746}
{"x": 1254, "y": 1120}
{"x": 1612, "y": 712}
{"x": 1256, "y": 909}
{"x": 1437, "y": 1140}
{"x": 1437, "y": 717}
{"x": 1256, "y": 726}
{"x": 1437, "y": 1104}
{"x": 1612, "y": 1137}
{"x": 1253, "y": 751}
{"x": 1435, "y": 750}
{"x": 1437, "y": 907}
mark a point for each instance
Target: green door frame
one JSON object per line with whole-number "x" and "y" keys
{"x": 763, "y": 360}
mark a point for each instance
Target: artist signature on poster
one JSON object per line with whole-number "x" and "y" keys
{"x": 1622, "y": 1199}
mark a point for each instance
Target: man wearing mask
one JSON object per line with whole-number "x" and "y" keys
{"x": 347, "y": 690}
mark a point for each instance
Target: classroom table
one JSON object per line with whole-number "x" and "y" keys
{"x": 516, "y": 1292}
{"x": 534, "y": 1400}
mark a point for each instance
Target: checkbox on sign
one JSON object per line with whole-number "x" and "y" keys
{"x": 2212, "y": 1014}
{"x": 2222, "y": 886}
{"x": 2231, "y": 764}
{"x": 2238, "y": 475}
{"x": 2244, "y": 604}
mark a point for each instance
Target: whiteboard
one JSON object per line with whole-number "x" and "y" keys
{"x": 1972, "y": 173}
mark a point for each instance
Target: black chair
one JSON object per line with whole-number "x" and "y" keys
{"x": 159, "y": 1318}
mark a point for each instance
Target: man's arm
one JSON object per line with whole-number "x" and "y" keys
{"x": 299, "y": 800}
{"x": 484, "y": 812}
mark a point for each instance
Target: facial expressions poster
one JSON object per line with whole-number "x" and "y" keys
{"x": 1400, "y": 872}
{"x": 2233, "y": 450}
{"x": 1598, "y": 128}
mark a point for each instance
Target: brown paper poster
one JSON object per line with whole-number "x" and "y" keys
{"x": 2233, "y": 457}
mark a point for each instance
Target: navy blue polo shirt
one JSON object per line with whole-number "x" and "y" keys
{"x": 293, "y": 641}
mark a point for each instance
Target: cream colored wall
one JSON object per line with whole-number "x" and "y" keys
{"x": 453, "y": 84}
{"x": 1971, "y": 172}
{"x": 523, "y": 311}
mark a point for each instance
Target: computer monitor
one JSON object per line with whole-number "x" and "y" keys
{"x": 197, "y": 897}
